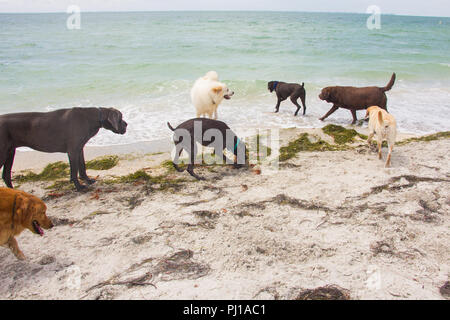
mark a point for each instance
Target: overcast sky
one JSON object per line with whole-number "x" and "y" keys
{"x": 406, "y": 7}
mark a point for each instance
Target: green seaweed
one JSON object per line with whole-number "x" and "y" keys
{"x": 427, "y": 138}
{"x": 162, "y": 182}
{"x": 60, "y": 185}
{"x": 342, "y": 135}
{"x": 102, "y": 163}
{"x": 168, "y": 165}
{"x": 52, "y": 171}
{"x": 139, "y": 175}
{"x": 304, "y": 144}
{"x": 431, "y": 137}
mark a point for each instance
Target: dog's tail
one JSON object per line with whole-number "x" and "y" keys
{"x": 303, "y": 84}
{"x": 170, "y": 127}
{"x": 390, "y": 84}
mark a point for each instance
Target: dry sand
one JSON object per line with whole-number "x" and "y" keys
{"x": 325, "y": 218}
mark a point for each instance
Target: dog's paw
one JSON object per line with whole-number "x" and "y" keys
{"x": 90, "y": 181}
{"x": 81, "y": 188}
{"x": 20, "y": 256}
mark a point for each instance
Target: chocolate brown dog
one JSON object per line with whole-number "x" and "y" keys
{"x": 65, "y": 130}
{"x": 207, "y": 132}
{"x": 285, "y": 90}
{"x": 354, "y": 98}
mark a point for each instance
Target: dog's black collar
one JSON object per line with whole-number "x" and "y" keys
{"x": 275, "y": 84}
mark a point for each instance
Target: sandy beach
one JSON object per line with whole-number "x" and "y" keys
{"x": 324, "y": 218}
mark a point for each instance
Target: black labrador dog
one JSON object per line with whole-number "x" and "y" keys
{"x": 285, "y": 90}
{"x": 207, "y": 132}
{"x": 64, "y": 130}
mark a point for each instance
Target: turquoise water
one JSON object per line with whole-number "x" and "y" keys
{"x": 145, "y": 64}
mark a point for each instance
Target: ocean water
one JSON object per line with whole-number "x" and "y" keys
{"x": 144, "y": 64}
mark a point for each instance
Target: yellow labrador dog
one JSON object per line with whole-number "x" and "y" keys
{"x": 383, "y": 125}
{"x": 207, "y": 93}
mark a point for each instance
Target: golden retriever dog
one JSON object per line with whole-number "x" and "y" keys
{"x": 19, "y": 211}
{"x": 207, "y": 93}
{"x": 383, "y": 125}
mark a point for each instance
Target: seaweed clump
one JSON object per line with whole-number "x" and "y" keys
{"x": 52, "y": 171}
{"x": 139, "y": 175}
{"x": 329, "y": 292}
{"x": 342, "y": 135}
{"x": 168, "y": 165}
{"x": 431, "y": 137}
{"x": 304, "y": 144}
{"x": 102, "y": 163}
{"x": 160, "y": 182}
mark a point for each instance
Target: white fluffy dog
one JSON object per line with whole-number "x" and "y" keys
{"x": 207, "y": 93}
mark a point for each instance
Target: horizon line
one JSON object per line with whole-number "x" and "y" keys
{"x": 284, "y": 11}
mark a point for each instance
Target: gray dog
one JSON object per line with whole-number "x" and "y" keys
{"x": 65, "y": 130}
{"x": 285, "y": 90}
{"x": 212, "y": 133}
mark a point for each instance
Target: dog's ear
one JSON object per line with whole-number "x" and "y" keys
{"x": 114, "y": 118}
{"x": 23, "y": 210}
{"x": 303, "y": 84}
{"x": 369, "y": 110}
{"x": 380, "y": 117}
{"x": 217, "y": 89}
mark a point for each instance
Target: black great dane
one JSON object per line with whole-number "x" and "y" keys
{"x": 65, "y": 130}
